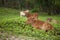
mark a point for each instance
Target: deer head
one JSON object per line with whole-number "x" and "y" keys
{"x": 38, "y": 24}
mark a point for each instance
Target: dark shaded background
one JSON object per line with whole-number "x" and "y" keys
{"x": 52, "y": 7}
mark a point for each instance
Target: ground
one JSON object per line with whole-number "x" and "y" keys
{"x": 13, "y": 26}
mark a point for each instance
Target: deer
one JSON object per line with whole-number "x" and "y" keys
{"x": 38, "y": 24}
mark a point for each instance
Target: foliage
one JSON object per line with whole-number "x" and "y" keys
{"x": 11, "y": 22}
{"x": 52, "y": 7}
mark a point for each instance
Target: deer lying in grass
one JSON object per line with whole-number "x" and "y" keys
{"x": 38, "y": 24}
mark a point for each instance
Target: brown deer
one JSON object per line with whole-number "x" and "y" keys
{"x": 38, "y": 24}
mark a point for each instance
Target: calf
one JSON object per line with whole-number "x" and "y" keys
{"x": 38, "y": 24}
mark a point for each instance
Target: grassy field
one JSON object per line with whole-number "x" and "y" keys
{"x": 11, "y": 23}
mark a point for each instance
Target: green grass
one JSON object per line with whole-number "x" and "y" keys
{"x": 11, "y": 22}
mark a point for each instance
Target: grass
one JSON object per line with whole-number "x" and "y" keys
{"x": 12, "y": 23}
